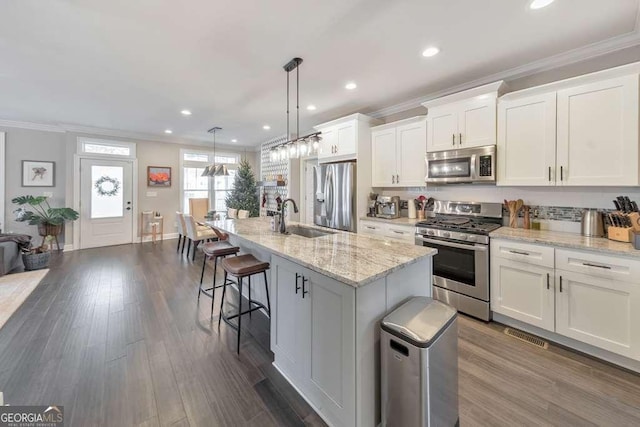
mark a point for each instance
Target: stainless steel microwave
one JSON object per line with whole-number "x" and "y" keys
{"x": 467, "y": 165}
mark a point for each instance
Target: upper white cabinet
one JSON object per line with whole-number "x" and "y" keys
{"x": 463, "y": 120}
{"x": 578, "y": 132}
{"x": 397, "y": 153}
{"x": 343, "y": 138}
{"x": 598, "y": 133}
{"x": 527, "y": 140}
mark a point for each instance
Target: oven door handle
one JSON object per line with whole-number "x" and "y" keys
{"x": 477, "y": 248}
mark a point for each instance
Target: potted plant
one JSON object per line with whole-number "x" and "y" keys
{"x": 50, "y": 221}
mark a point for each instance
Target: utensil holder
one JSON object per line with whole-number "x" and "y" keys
{"x": 620, "y": 234}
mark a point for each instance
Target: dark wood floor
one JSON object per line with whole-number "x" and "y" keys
{"x": 115, "y": 335}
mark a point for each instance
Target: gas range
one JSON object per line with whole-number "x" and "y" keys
{"x": 460, "y": 233}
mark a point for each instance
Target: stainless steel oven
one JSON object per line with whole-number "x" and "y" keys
{"x": 460, "y": 233}
{"x": 467, "y": 165}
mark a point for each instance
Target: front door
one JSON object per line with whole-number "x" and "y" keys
{"x": 106, "y": 207}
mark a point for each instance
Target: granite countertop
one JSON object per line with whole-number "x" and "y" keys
{"x": 396, "y": 221}
{"x": 353, "y": 259}
{"x": 567, "y": 240}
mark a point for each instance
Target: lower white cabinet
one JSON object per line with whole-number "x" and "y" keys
{"x": 599, "y": 306}
{"x": 313, "y": 337}
{"x": 524, "y": 292}
{"x": 601, "y": 312}
{"x": 404, "y": 232}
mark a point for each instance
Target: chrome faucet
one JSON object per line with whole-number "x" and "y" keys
{"x": 283, "y": 228}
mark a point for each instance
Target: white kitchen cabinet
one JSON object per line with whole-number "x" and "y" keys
{"x": 288, "y": 316}
{"x": 329, "y": 373}
{"x": 383, "y": 156}
{"x": 398, "y": 151}
{"x": 598, "y": 133}
{"x": 342, "y": 139}
{"x": 523, "y": 291}
{"x": 373, "y": 228}
{"x": 527, "y": 140}
{"x": 601, "y": 312}
{"x": 313, "y": 337}
{"x": 463, "y": 120}
{"x": 404, "y": 232}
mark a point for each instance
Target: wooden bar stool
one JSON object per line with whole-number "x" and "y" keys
{"x": 213, "y": 251}
{"x": 243, "y": 266}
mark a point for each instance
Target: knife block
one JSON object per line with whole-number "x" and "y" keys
{"x": 635, "y": 220}
{"x": 620, "y": 234}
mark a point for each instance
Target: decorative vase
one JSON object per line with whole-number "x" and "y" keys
{"x": 36, "y": 261}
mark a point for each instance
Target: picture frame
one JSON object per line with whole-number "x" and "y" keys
{"x": 159, "y": 176}
{"x": 38, "y": 173}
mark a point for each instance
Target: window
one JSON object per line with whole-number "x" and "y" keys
{"x": 106, "y": 148}
{"x": 194, "y": 185}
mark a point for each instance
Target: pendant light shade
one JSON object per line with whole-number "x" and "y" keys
{"x": 215, "y": 169}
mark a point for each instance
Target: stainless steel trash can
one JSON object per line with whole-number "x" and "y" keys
{"x": 419, "y": 362}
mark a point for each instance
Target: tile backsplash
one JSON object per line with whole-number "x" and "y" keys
{"x": 268, "y": 171}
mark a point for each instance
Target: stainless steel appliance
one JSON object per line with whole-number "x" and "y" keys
{"x": 335, "y": 195}
{"x": 592, "y": 224}
{"x": 388, "y": 207}
{"x": 460, "y": 232}
{"x": 467, "y": 165}
{"x": 419, "y": 362}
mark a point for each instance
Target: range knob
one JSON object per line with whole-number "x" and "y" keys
{"x": 431, "y": 232}
{"x": 471, "y": 238}
{"x": 446, "y": 234}
{"x": 463, "y": 237}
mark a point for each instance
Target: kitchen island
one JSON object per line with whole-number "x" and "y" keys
{"x": 328, "y": 295}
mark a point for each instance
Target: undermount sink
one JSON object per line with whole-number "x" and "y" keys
{"x": 307, "y": 231}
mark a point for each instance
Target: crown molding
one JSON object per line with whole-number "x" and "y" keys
{"x": 556, "y": 61}
{"x": 31, "y": 126}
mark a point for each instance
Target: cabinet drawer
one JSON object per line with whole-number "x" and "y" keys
{"x": 372, "y": 227}
{"x": 405, "y": 233}
{"x": 593, "y": 264}
{"x": 523, "y": 252}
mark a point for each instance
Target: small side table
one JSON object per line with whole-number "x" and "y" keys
{"x": 152, "y": 225}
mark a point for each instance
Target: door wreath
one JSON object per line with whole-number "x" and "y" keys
{"x": 107, "y": 186}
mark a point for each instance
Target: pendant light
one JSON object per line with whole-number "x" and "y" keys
{"x": 215, "y": 169}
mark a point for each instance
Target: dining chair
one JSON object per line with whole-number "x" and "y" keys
{"x": 181, "y": 230}
{"x": 196, "y": 234}
{"x": 198, "y": 207}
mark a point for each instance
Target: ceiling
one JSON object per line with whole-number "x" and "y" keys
{"x": 133, "y": 65}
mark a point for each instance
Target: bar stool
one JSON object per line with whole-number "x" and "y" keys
{"x": 243, "y": 266}
{"x": 213, "y": 251}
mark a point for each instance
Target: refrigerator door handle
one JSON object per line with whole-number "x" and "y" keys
{"x": 329, "y": 194}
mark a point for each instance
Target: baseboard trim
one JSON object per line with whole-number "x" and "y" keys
{"x": 167, "y": 236}
{"x": 68, "y": 248}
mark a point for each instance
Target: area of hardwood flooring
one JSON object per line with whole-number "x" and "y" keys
{"x": 117, "y": 337}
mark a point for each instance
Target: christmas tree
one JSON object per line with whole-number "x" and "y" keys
{"x": 245, "y": 193}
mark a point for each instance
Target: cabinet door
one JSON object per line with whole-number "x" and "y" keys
{"x": 406, "y": 233}
{"x": 287, "y": 334}
{"x": 411, "y": 143}
{"x": 477, "y": 123}
{"x": 523, "y": 291}
{"x": 598, "y": 133}
{"x": 442, "y": 128}
{"x": 374, "y": 228}
{"x": 327, "y": 143}
{"x": 601, "y": 312}
{"x": 346, "y": 144}
{"x": 383, "y": 157}
{"x": 527, "y": 141}
{"x": 330, "y": 369}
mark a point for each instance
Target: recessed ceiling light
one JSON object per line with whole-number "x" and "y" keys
{"x": 430, "y": 51}
{"x": 185, "y": 112}
{"x": 539, "y": 4}
{"x": 311, "y": 107}
{"x": 350, "y": 86}
{"x": 266, "y": 127}
{"x": 168, "y": 131}
{"x": 234, "y": 140}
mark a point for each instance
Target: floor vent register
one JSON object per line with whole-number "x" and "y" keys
{"x": 528, "y": 338}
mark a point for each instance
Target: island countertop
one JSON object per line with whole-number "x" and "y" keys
{"x": 353, "y": 259}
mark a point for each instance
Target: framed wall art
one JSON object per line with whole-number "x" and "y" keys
{"x": 158, "y": 176}
{"x": 36, "y": 173}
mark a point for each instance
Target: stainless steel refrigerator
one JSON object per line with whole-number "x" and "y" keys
{"x": 335, "y": 195}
